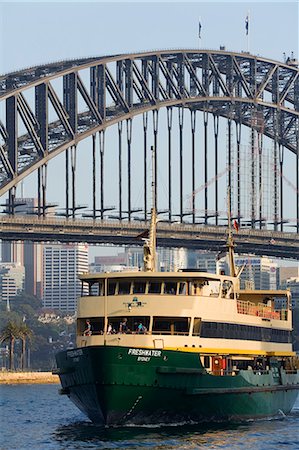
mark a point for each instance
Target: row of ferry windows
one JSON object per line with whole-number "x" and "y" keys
{"x": 160, "y": 325}
{"x": 203, "y": 287}
{"x": 182, "y": 326}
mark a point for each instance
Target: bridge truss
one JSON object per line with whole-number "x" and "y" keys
{"x": 50, "y": 109}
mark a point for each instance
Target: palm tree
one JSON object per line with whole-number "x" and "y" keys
{"x": 25, "y": 333}
{"x": 10, "y": 333}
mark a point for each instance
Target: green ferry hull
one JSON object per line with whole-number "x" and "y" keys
{"x": 120, "y": 385}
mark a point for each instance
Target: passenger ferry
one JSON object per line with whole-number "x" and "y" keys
{"x": 157, "y": 347}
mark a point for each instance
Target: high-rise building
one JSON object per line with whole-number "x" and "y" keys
{"x": 27, "y": 254}
{"x": 11, "y": 281}
{"x": 293, "y": 285}
{"x": 61, "y": 266}
{"x": 206, "y": 262}
{"x": 259, "y": 272}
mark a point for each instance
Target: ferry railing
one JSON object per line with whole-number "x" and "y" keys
{"x": 260, "y": 310}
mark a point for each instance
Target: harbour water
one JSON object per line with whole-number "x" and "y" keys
{"x": 35, "y": 417}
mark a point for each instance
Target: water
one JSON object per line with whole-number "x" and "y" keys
{"x": 35, "y": 417}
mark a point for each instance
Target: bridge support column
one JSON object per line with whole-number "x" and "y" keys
{"x": 102, "y": 148}
{"x": 181, "y": 125}
{"x": 155, "y": 128}
{"x": 205, "y": 118}
{"x": 73, "y": 165}
{"x": 216, "y": 134}
{"x": 193, "y": 126}
{"x": 129, "y": 142}
{"x": 120, "y": 129}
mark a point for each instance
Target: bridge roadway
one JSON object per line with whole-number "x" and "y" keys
{"x": 50, "y": 229}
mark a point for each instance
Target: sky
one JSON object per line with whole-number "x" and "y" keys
{"x": 38, "y": 32}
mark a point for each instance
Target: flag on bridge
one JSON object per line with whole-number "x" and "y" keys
{"x": 247, "y": 24}
{"x": 199, "y": 29}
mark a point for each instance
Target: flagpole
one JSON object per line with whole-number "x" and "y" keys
{"x": 248, "y": 31}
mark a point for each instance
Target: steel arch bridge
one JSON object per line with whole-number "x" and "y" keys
{"x": 245, "y": 90}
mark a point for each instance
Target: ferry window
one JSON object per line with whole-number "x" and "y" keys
{"x": 124, "y": 287}
{"x": 154, "y": 287}
{"x": 170, "y": 287}
{"x": 133, "y": 325}
{"x": 111, "y": 287}
{"x": 139, "y": 287}
{"x": 171, "y": 325}
{"x": 197, "y": 288}
{"x": 95, "y": 288}
{"x": 206, "y": 287}
{"x": 196, "y": 326}
{"x": 183, "y": 288}
{"x": 97, "y": 325}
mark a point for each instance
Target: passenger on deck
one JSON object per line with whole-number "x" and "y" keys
{"x": 141, "y": 329}
{"x": 87, "y": 331}
{"x": 123, "y": 326}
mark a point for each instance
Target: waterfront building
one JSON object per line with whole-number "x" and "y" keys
{"x": 62, "y": 264}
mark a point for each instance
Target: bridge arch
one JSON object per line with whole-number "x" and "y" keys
{"x": 256, "y": 92}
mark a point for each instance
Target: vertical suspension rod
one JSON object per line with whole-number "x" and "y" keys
{"x": 120, "y": 128}
{"x": 181, "y": 124}
{"x": 238, "y": 136}
{"x": 67, "y": 206}
{"x": 281, "y": 158}
{"x": 297, "y": 176}
{"x": 169, "y": 126}
{"x": 94, "y": 203}
{"x": 229, "y": 160}
{"x": 275, "y": 175}
{"x": 253, "y": 191}
{"x": 145, "y": 124}
{"x": 205, "y": 118}
{"x": 39, "y": 192}
{"x": 44, "y": 188}
{"x": 102, "y": 148}
{"x": 129, "y": 142}
{"x": 216, "y": 134}
{"x": 73, "y": 165}
{"x": 193, "y": 126}
{"x": 155, "y": 128}
{"x": 260, "y": 146}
